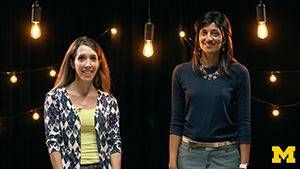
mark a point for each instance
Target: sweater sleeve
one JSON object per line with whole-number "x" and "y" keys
{"x": 51, "y": 121}
{"x": 114, "y": 137}
{"x": 243, "y": 106}
{"x": 177, "y": 103}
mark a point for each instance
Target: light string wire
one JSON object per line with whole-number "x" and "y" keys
{"x": 104, "y": 33}
{"x": 17, "y": 115}
{"x": 274, "y": 105}
{"x": 274, "y": 71}
{"x": 189, "y": 41}
{"x": 29, "y": 71}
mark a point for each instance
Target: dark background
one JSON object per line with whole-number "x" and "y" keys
{"x": 142, "y": 85}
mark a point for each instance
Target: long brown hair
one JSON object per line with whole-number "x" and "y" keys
{"x": 66, "y": 73}
{"x": 226, "y": 55}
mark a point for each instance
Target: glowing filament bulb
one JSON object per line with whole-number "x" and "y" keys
{"x": 273, "y": 78}
{"x": 262, "y": 31}
{"x": 275, "y": 112}
{"x": 114, "y": 31}
{"x": 13, "y": 78}
{"x": 35, "y": 31}
{"x": 182, "y": 34}
{"x": 148, "y": 48}
{"x": 52, "y": 73}
{"x": 35, "y": 116}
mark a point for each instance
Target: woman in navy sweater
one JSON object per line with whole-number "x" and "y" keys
{"x": 210, "y": 124}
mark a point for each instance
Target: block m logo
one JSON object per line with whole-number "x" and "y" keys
{"x": 288, "y": 152}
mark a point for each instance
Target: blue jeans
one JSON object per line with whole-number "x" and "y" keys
{"x": 193, "y": 157}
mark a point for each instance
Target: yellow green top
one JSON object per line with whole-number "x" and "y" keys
{"x": 89, "y": 150}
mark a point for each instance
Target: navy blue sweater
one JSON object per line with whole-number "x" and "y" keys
{"x": 211, "y": 110}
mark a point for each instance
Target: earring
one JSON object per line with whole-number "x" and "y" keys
{"x": 199, "y": 53}
{"x": 223, "y": 49}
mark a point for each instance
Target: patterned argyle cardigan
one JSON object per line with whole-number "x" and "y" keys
{"x": 62, "y": 128}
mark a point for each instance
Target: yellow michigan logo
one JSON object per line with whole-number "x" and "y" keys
{"x": 279, "y": 153}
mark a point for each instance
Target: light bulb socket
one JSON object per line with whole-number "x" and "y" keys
{"x": 36, "y": 13}
{"x": 261, "y": 13}
{"x": 149, "y": 31}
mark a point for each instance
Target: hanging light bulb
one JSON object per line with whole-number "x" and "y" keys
{"x": 113, "y": 31}
{"x": 182, "y": 34}
{"x": 262, "y": 30}
{"x": 35, "y": 31}
{"x": 148, "y": 37}
{"x": 148, "y": 48}
{"x": 13, "y": 78}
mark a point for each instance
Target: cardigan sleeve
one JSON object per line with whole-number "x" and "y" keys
{"x": 114, "y": 137}
{"x": 51, "y": 122}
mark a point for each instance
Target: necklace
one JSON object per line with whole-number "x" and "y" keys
{"x": 208, "y": 76}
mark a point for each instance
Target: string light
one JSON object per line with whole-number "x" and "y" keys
{"x": 182, "y": 34}
{"x": 275, "y": 112}
{"x": 188, "y": 39}
{"x": 113, "y": 31}
{"x": 273, "y": 78}
{"x": 13, "y": 78}
{"x": 35, "y": 31}
{"x": 272, "y": 75}
{"x": 52, "y": 72}
{"x": 36, "y": 116}
{"x": 262, "y": 30}
{"x": 13, "y": 74}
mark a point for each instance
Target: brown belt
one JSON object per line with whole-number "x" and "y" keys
{"x": 214, "y": 144}
{"x": 90, "y": 167}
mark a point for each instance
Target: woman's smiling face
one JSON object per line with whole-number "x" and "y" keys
{"x": 210, "y": 39}
{"x": 86, "y": 63}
